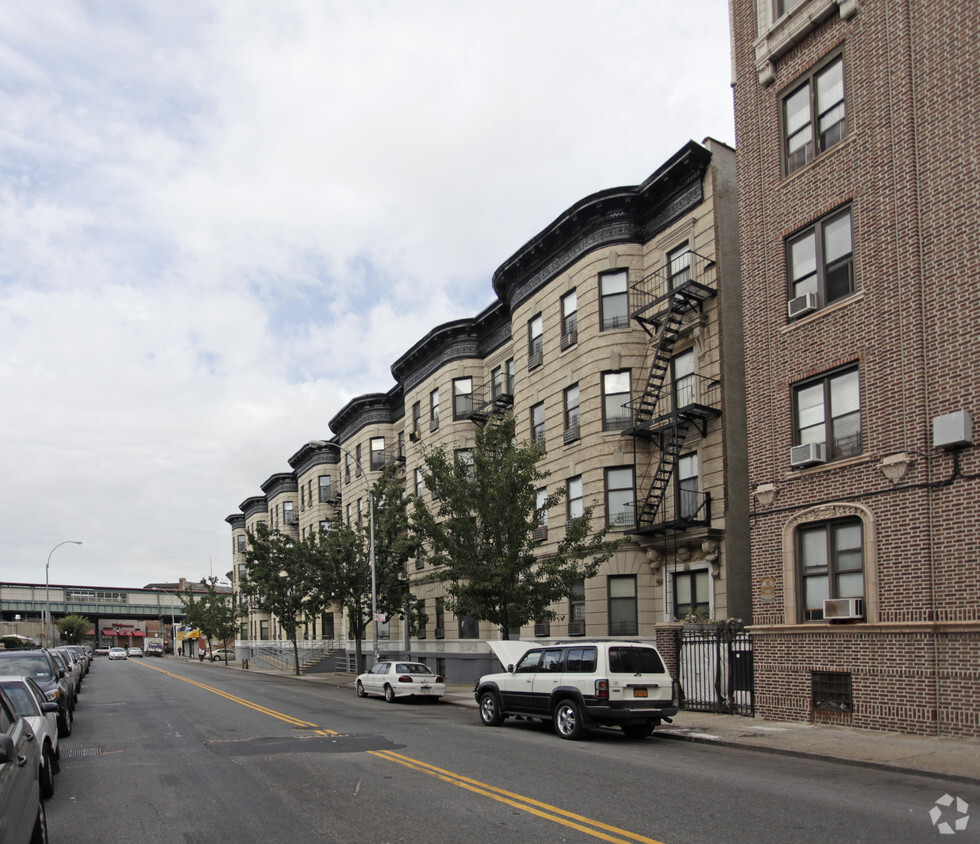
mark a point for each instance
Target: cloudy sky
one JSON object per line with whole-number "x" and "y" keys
{"x": 219, "y": 221}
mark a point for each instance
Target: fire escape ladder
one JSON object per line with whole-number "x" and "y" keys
{"x": 662, "y": 347}
{"x": 672, "y": 442}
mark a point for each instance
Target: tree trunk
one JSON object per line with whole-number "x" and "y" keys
{"x": 295, "y": 654}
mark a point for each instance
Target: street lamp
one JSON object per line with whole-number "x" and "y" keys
{"x": 173, "y": 623}
{"x": 374, "y": 579}
{"x": 47, "y": 589}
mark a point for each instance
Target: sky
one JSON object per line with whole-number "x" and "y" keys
{"x": 221, "y": 221}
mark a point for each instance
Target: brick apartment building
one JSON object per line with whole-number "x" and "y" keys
{"x": 858, "y": 216}
{"x": 615, "y": 340}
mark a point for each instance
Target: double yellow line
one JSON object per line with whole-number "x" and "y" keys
{"x": 597, "y": 829}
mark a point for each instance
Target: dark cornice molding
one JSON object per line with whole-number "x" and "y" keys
{"x": 312, "y": 455}
{"x": 370, "y": 409}
{"x": 253, "y": 505}
{"x": 236, "y": 520}
{"x": 606, "y": 218}
{"x": 279, "y": 483}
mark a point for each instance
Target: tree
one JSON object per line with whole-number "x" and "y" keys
{"x": 73, "y": 628}
{"x": 481, "y": 528}
{"x": 215, "y": 613}
{"x": 281, "y": 576}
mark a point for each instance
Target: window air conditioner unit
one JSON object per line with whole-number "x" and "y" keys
{"x": 415, "y": 436}
{"x": 841, "y": 609}
{"x": 802, "y": 305}
{"x": 807, "y": 455}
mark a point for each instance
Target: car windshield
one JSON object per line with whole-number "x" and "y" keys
{"x": 635, "y": 661}
{"x": 413, "y": 668}
{"x": 27, "y": 665}
{"x": 21, "y": 698}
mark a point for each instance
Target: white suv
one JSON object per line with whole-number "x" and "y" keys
{"x": 582, "y": 684}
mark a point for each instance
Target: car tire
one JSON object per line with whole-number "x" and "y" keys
{"x": 359, "y": 688}
{"x": 637, "y": 731}
{"x": 567, "y": 718}
{"x": 389, "y": 694}
{"x": 47, "y": 775}
{"x": 40, "y": 833}
{"x": 64, "y": 723}
{"x": 491, "y": 711}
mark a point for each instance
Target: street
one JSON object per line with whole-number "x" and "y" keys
{"x": 175, "y": 751}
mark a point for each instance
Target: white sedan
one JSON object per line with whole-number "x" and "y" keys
{"x": 395, "y": 679}
{"x": 117, "y": 653}
{"x": 42, "y": 714}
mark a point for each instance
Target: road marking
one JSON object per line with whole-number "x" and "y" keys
{"x": 597, "y": 829}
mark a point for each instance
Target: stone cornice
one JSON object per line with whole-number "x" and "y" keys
{"x": 253, "y": 505}
{"x": 279, "y": 483}
{"x": 370, "y": 409}
{"x": 236, "y": 520}
{"x": 616, "y": 215}
{"x": 311, "y": 455}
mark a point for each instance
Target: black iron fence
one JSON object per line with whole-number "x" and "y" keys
{"x": 715, "y": 671}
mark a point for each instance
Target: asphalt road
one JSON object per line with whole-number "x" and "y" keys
{"x": 167, "y": 751}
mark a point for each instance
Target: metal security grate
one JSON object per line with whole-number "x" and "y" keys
{"x": 76, "y": 752}
{"x": 832, "y": 691}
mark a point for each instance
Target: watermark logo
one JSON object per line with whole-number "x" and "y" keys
{"x": 946, "y": 819}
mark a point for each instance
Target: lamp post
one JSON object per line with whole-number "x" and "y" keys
{"x": 173, "y": 623}
{"x": 47, "y": 589}
{"x": 374, "y": 578}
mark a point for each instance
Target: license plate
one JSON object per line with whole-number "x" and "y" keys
{"x": 639, "y": 692}
{"x": 426, "y": 689}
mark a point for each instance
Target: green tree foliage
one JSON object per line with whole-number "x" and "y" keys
{"x": 480, "y": 530}
{"x": 212, "y": 612}
{"x": 74, "y": 628}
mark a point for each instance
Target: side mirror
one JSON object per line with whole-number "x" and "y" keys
{"x": 49, "y": 706}
{"x": 510, "y": 668}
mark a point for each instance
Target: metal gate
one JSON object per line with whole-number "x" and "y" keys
{"x": 715, "y": 671}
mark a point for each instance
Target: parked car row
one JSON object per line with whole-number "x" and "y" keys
{"x": 38, "y": 692}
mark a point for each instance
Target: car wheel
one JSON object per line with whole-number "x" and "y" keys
{"x": 64, "y": 723}
{"x": 47, "y": 774}
{"x": 359, "y": 688}
{"x": 567, "y": 719}
{"x": 491, "y": 712}
{"x": 389, "y": 694}
{"x": 40, "y": 833}
{"x": 637, "y": 731}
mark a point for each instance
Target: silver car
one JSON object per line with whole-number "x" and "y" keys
{"x": 22, "y": 815}
{"x": 42, "y": 715}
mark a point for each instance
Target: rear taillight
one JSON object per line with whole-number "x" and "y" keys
{"x": 404, "y": 679}
{"x": 602, "y": 689}
{"x": 439, "y": 680}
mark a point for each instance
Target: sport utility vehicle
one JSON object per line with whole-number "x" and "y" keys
{"x": 41, "y": 666}
{"x": 581, "y": 684}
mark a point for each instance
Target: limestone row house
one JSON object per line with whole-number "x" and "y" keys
{"x": 615, "y": 340}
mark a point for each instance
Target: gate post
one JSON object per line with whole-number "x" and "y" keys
{"x": 668, "y": 643}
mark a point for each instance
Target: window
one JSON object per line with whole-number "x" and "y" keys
{"x": 360, "y": 511}
{"x": 535, "y": 342}
{"x": 831, "y": 563}
{"x": 465, "y": 456}
{"x": 571, "y": 414}
{"x": 684, "y": 379}
{"x": 679, "y": 266}
{"x": 287, "y": 512}
{"x": 613, "y": 300}
{"x": 440, "y": 618}
{"x": 348, "y": 514}
{"x": 418, "y": 482}
{"x": 689, "y": 496}
{"x": 540, "y": 533}
{"x": 324, "y": 481}
{"x": 692, "y": 593}
{"x": 619, "y": 497}
{"x": 537, "y": 425}
{"x": 357, "y": 460}
{"x": 820, "y": 261}
{"x": 462, "y": 398}
{"x": 416, "y": 422}
{"x": 324, "y": 526}
{"x": 828, "y": 411}
{"x": 615, "y": 397}
{"x": 576, "y": 610}
{"x": 784, "y": 6}
{"x": 434, "y": 410}
{"x": 377, "y": 453}
{"x": 817, "y": 102}
{"x": 469, "y": 627}
{"x": 302, "y": 498}
{"x": 569, "y": 319}
{"x": 573, "y": 498}
{"x": 240, "y": 540}
{"x": 622, "y": 605}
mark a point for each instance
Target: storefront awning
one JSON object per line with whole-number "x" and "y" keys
{"x": 137, "y": 633}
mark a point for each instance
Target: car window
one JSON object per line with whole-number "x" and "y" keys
{"x": 7, "y": 717}
{"x": 27, "y": 665}
{"x": 413, "y": 668}
{"x": 529, "y": 663}
{"x": 624, "y": 660}
{"x": 580, "y": 660}
{"x": 551, "y": 661}
{"x": 22, "y": 699}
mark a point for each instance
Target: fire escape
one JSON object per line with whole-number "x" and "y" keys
{"x": 671, "y": 403}
{"x": 493, "y": 397}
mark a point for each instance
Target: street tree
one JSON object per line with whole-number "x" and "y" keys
{"x": 480, "y": 531}
{"x": 73, "y": 628}
{"x": 214, "y": 613}
{"x": 280, "y": 576}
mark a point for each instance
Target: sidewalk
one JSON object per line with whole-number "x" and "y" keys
{"x": 952, "y": 759}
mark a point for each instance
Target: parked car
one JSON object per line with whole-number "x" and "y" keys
{"x": 223, "y": 655}
{"x": 102, "y": 650}
{"x": 578, "y": 685}
{"x": 395, "y": 679}
{"x": 137, "y": 652}
{"x": 41, "y": 666}
{"x": 42, "y": 714}
{"x": 117, "y": 653}
{"x": 83, "y": 655}
{"x": 22, "y": 817}
{"x": 74, "y": 666}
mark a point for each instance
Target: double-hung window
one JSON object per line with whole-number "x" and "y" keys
{"x": 535, "y": 342}
{"x": 830, "y": 562}
{"x": 692, "y": 593}
{"x": 462, "y": 398}
{"x": 416, "y": 421}
{"x": 434, "y": 410}
{"x": 679, "y": 266}
{"x": 619, "y": 497}
{"x": 418, "y": 482}
{"x": 572, "y": 414}
{"x": 684, "y": 380}
{"x": 613, "y": 300}
{"x": 615, "y": 400}
{"x": 324, "y": 488}
{"x": 688, "y": 492}
{"x": 569, "y": 320}
{"x": 377, "y": 453}
{"x": 573, "y": 498}
{"x": 622, "y": 605}
{"x": 820, "y": 263}
{"x": 541, "y": 509}
{"x": 537, "y": 425}
{"x": 828, "y": 411}
{"x": 814, "y": 116}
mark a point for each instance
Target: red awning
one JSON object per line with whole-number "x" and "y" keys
{"x": 108, "y": 632}
{"x": 137, "y": 633}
